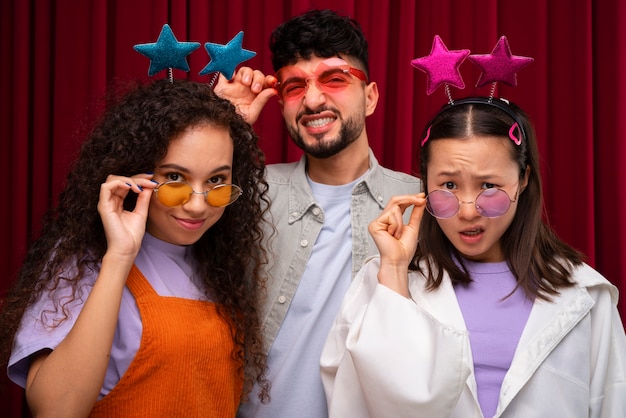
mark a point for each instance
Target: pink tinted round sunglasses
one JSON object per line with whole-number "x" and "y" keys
{"x": 490, "y": 203}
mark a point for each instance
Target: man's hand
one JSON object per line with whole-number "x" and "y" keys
{"x": 249, "y": 91}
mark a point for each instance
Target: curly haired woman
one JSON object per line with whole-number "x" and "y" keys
{"x": 139, "y": 298}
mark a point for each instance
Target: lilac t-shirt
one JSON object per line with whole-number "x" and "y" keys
{"x": 495, "y": 325}
{"x": 168, "y": 270}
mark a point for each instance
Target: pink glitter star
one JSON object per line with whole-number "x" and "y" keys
{"x": 500, "y": 65}
{"x": 442, "y": 66}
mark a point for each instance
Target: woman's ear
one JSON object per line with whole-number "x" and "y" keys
{"x": 525, "y": 177}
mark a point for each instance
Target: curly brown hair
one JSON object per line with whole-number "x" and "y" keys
{"x": 131, "y": 137}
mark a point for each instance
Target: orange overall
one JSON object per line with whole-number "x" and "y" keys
{"x": 184, "y": 366}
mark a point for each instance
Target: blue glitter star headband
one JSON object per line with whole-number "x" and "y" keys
{"x": 168, "y": 53}
{"x": 442, "y": 67}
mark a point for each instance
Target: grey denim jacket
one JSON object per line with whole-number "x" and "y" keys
{"x": 298, "y": 221}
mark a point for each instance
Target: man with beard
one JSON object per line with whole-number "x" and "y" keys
{"x": 321, "y": 205}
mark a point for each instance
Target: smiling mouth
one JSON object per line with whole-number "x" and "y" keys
{"x": 318, "y": 123}
{"x": 190, "y": 223}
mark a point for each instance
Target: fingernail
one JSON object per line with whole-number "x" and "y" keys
{"x": 246, "y": 78}
{"x": 154, "y": 181}
{"x": 129, "y": 185}
{"x": 140, "y": 188}
{"x": 149, "y": 173}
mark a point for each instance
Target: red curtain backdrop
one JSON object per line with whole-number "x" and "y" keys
{"x": 60, "y": 57}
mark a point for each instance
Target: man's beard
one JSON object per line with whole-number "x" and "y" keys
{"x": 350, "y": 130}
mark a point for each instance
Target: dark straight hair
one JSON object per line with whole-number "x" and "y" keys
{"x": 540, "y": 261}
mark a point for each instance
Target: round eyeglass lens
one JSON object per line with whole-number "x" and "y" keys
{"x": 442, "y": 204}
{"x": 223, "y": 195}
{"x": 492, "y": 203}
{"x": 174, "y": 194}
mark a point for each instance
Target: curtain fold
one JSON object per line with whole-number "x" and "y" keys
{"x": 60, "y": 58}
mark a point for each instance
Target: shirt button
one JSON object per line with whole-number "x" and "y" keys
{"x": 380, "y": 198}
{"x": 304, "y": 243}
{"x": 316, "y": 211}
{"x": 282, "y": 299}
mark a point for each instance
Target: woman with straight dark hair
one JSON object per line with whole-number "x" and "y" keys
{"x": 476, "y": 308}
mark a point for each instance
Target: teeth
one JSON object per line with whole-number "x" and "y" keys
{"x": 316, "y": 123}
{"x": 471, "y": 233}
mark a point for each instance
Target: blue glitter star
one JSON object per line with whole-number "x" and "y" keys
{"x": 167, "y": 52}
{"x": 226, "y": 58}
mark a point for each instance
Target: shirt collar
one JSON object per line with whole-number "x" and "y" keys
{"x": 301, "y": 199}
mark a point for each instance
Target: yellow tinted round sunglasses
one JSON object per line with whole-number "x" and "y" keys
{"x": 175, "y": 193}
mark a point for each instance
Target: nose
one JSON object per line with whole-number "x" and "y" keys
{"x": 313, "y": 95}
{"x": 196, "y": 203}
{"x": 467, "y": 210}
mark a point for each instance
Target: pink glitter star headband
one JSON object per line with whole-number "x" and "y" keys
{"x": 442, "y": 67}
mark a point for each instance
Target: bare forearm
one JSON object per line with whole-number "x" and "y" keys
{"x": 68, "y": 380}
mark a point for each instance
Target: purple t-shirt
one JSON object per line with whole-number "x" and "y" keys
{"x": 495, "y": 325}
{"x": 167, "y": 269}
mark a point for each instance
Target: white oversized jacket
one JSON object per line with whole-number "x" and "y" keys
{"x": 389, "y": 356}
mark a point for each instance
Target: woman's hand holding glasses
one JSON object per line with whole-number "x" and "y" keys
{"x": 397, "y": 241}
{"x": 125, "y": 229}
